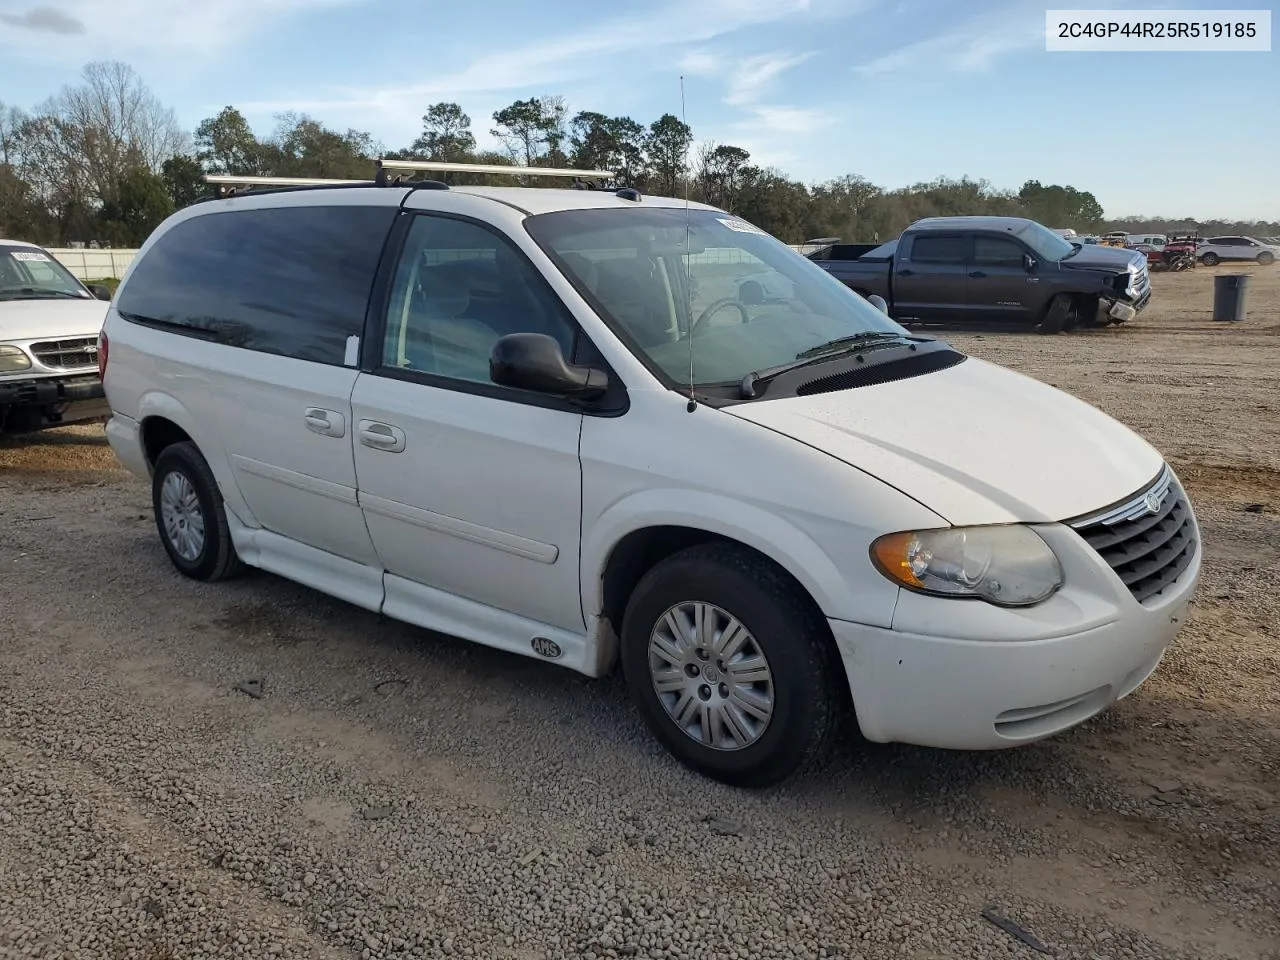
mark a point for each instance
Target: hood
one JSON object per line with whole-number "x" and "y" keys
{"x": 54, "y": 318}
{"x": 975, "y": 443}
{"x": 1095, "y": 257}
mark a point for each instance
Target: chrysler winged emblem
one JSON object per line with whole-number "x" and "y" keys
{"x": 1153, "y": 501}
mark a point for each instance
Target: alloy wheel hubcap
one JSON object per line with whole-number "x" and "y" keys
{"x": 711, "y": 676}
{"x": 182, "y": 517}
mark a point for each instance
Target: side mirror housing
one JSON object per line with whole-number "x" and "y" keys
{"x": 878, "y": 302}
{"x": 99, "y": 290}
{"x": 1029, "y": 262}
{"x": 534, "y": 362}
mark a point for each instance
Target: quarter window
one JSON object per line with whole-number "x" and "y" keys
{"x": 293, "y": 281}
{"x": 458, "y": 288}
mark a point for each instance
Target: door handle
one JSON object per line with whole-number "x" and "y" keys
{"x": 381, "y": 436}
{"x": 906, "y": 273}
{"x": 976, "y": 274}
{"x": 327, "y": 423}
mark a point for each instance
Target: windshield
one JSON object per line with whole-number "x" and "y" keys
{"x": 28, "y": 273}
{"x": 1046, "y": 244}
{"x": 750, "y": 301}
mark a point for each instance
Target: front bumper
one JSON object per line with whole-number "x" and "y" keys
{"x": 52, "y": 401}
{"x": 1019, "y": 678}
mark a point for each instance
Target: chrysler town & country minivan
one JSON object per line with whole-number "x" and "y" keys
{"x": 543, "y": 420}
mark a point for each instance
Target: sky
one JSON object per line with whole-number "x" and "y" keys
{"x": 897, "y": 91}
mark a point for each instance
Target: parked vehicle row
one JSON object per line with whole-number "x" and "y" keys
{"x": 958, "y": 269}
{"x": 549, "y": 421}
{"x": 1209, "y": 251}
{"x": 49, "y": 323}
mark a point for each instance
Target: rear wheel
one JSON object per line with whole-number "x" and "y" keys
{"x": 190, "y": 515}
{"x": 1266, "y": 258}
{"x": 731, "y": 666}
{"x": 1210, "y": 259}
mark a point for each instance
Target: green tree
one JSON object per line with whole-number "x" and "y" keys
{"x": 599, "y": 142}
{"x": 446, "y": 135}
{"x": 533, "y": 130}
{"x": 140, "y": 201}
{"x": 225, "y": 144}
{"x": 719, "y": 173}
{"x": 667, "y": 149}
{"x": 183, "y": 180}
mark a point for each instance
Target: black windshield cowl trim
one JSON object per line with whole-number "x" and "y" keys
{"x": 876, "y": 363}
{"x": 858, "y": 344}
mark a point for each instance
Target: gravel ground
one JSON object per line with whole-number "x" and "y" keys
{"x": 394, "y": 793}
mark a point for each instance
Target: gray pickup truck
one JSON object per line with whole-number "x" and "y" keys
{"x": 954, "y": 270}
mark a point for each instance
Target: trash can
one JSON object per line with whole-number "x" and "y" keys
{"x": 1229, "y": 290}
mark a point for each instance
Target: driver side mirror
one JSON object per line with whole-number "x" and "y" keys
{"x": 534, "y": 361}
{"x": 1029, "y": 262}
{"x": 100, "y": 290}
{"x": 879, "y": 303}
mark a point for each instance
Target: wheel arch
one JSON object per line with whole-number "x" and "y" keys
{"x": 164, "y": 420}
{"x": 630, "y": 540}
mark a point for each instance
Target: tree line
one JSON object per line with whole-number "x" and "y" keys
{"x": 104, "y": 161}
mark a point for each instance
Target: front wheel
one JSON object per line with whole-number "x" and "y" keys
{"x": 1266, "y": 258}
{"x": 190, "y": 516}
{"x": 731, "y": 666}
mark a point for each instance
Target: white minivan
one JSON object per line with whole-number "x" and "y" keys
{"x": 543, "y": 420}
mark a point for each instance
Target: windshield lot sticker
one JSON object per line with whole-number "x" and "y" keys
{"x": 739, "y": 226}
{"x": 26, "y": 257}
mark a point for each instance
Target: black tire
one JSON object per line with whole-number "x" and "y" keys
{"x": 217, "y": 558}
{"x": 786, "y": 627}
{"x": 1056, "y": 315}
{"x": 1210, "y": 259}
{"x": 1266, "y": 258}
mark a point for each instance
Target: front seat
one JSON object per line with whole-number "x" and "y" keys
{"x": 438, "y": 339}
{"x": 630, "y": 292}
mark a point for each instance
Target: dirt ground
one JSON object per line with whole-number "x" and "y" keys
{"x": 395, "y": 793}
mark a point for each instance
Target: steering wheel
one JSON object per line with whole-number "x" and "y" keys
{"x": 715, "y": 308}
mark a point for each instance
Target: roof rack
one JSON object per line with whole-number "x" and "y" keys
{"x": 397, "y": 173}
{"x": 225, "y": 185}
{"x": 583, "y": 179}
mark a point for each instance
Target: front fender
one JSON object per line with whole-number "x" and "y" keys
{"x": 868, "y": 600}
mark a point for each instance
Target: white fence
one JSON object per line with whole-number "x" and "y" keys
{"x": 94, "y": 264}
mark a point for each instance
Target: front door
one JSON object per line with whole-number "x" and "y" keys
{"x": 468, "y": 489}
{"x": 1001, "y": 288}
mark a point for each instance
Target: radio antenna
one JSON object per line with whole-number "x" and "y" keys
{"x": 688, "y": 266}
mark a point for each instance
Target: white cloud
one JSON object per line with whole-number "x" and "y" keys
{"x": 123, "y": 29}
{"x": 554, "y": 60}
{"x": 976, "y": 45}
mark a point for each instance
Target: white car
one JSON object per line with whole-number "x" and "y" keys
{"x": 1216, "y": 250}
{"x": 529, "y": 418}
{"x": 49, "y": 323}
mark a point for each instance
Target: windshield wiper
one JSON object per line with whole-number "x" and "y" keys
{"x": 823, "y": 351}
{"x": 39, "y": 292}
{"x": 836, "y": 345}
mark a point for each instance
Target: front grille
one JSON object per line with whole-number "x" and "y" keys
{"x": 1149, "y": 540}
{"x": 67, "y": 354}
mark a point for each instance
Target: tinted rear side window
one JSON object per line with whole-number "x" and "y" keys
{"x": 293, "y": 281}
{"x": 939, "y": 249}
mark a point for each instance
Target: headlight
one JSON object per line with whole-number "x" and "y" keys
{"x": 1006, "y": 565}
{"x": 12, "y": 358}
